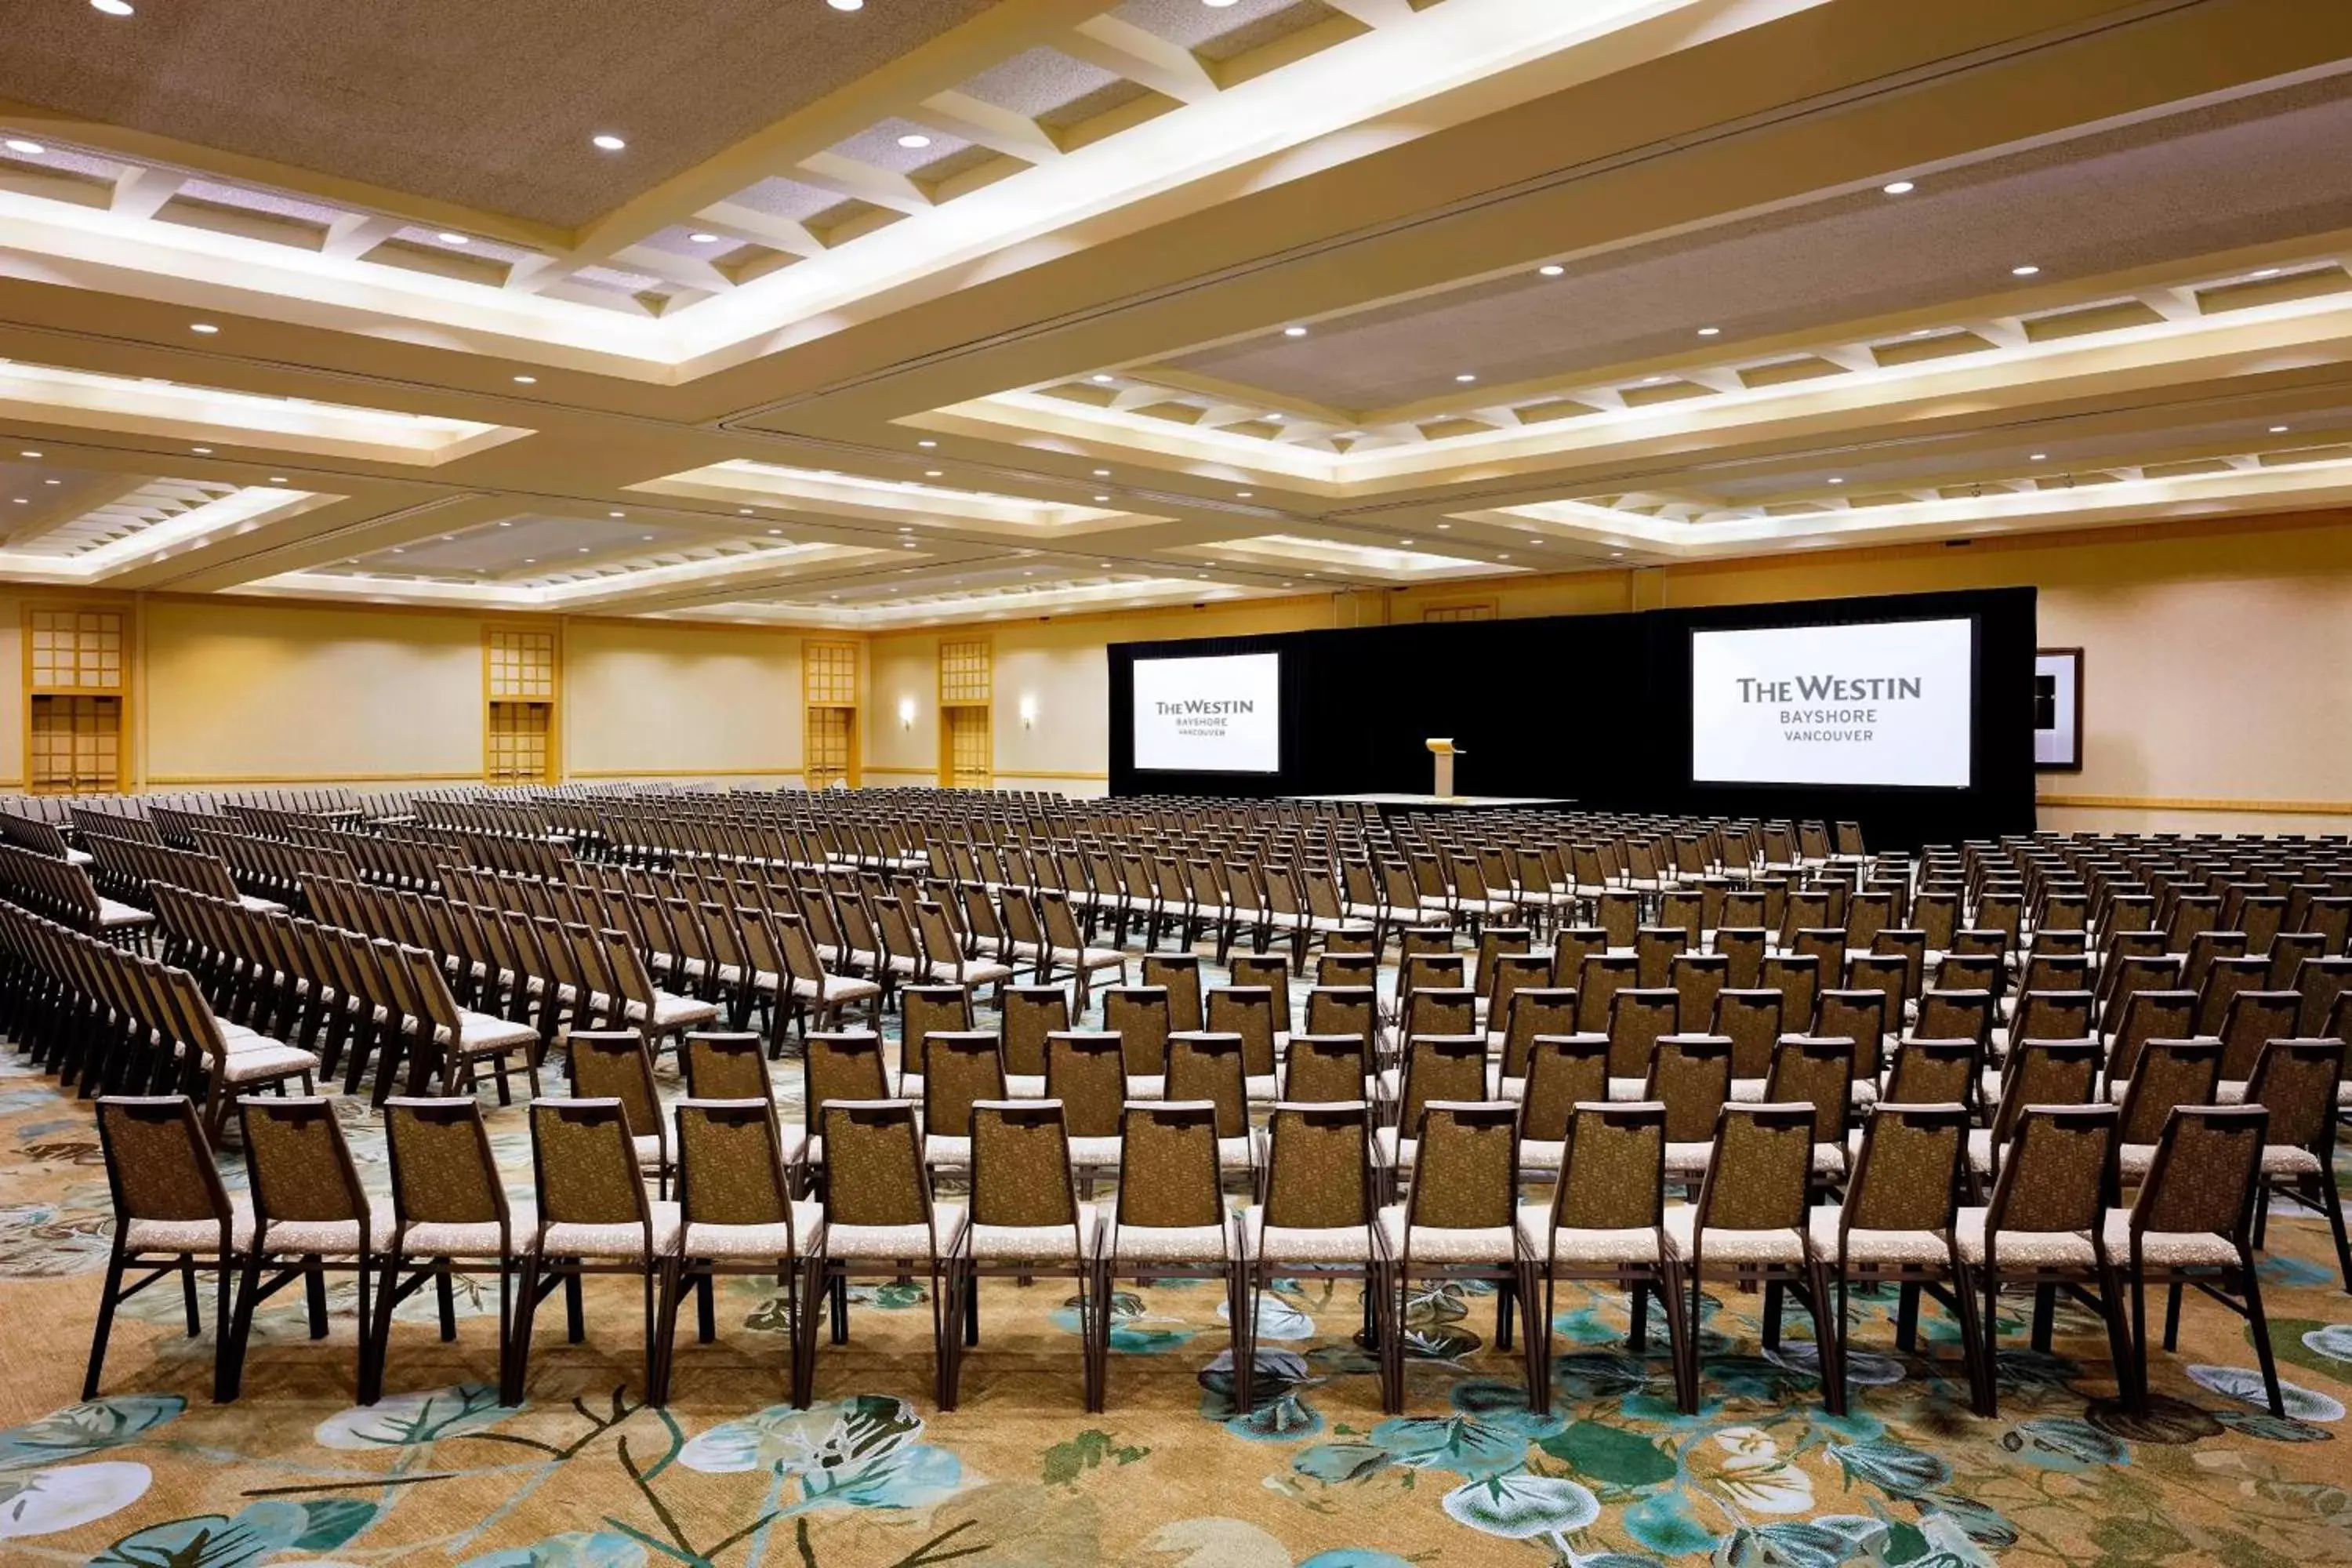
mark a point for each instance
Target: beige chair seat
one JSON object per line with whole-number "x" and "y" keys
{"x": 1579, "y": 1245}
{"x": 1306, "y": 1243}
{"x": 1098, "y": 1153}
{"x": 1438, "y": 1244}
{"x": 834, "y": 988}
{"x": 1007, "y": 1243}
{"x": 1689, "y": 1159}
{"x": 1263, "y": 1088}
{"x": 263, "y": 1060}
{"x": 1393, "y": 1151}
{"x": 2290, "y": 1160}
{"x": 480, "y": 1035}
{"x": 325, "y": 1237}
{"x": 673, "y": 1012}
{"x": 112, "y": 916}
{"x": 1540, "y": 1157}
{"x": 744, "y": 1242}
{"x": 2134, "y": 1161}
{"x": 941, "y": 1150}
{"x": 2171, "y": 1249}
{"x": 202, "y": 1236}
{"x": 1171, "y": 1244}
{"x": 1721, "y": 1246}
{"x": 892, "y": 1243}
{"x": 1153, "y": 1087}
{"x": 1088, "y": 957}
{"x": 971, "y": 972}
{"x": 2026, "y": 1248}
{"x": 571, "y": 1240}
{"x": 1748, "y": 1091}
{"x": 1024, "y": 1086}
{"x": 1888, "y": 1247}
{"x": 468, "y": 1239}
{"x": 1237, "y": 1155}
{"x": 259, "y": 906}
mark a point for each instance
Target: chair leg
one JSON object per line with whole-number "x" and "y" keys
{"x": 2259, "y": 1324}
{"x": 376, "y": 1329}
{"x": 2119, "y": 1334}
{"x": 105, "y": 1326}
{"x": 1973, "y": 1349}
{"x": 1682, "y": 1346}
{"x": 233, "y": 1330}
{"x": 2137, "y": 1381}
{"x": 526, "y": 1308}
{"x": 2332, "y": 1204}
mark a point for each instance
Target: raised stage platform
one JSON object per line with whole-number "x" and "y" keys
{"x": 1394, "y": 803}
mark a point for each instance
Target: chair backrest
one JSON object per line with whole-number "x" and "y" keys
{"x": 1699, "y": 978}
{"x": 874, "y": 1164}
{"x": 615, "y": 1065}
{"x": 1758, "y": 1178}
{"x": 1798, "y": 978}
{"x": 1203, "y": 1066}
{"x": 1931, "y": 1072}
{"x": 1858, "y": 1017}
{"x": 1320, "y": 1172}
{"x": 300, "y": 1165}
{"x": 1637, "y": 1018}
{"x": 1465, "y": 1173}
{"x": 1818, "y": 1071}
{"x": 966, "y": 1067}
{"x": 2254, "y": 1020}
{"x": 1021, "y": 1164}
{"x": 1342, "y": 1010}
{"x": 1441, "y": 1010}
{"x": 442, "y": 1170}
{"x": 1031, "y": 1013}
{"x": 1613, "y": 1173}
{"x": 720, "y": 1065}
{"x": 1086, "y": 1070}
{"x": 2058, "y": 1170}
{"x": 1439, "y": 1066}
{"x": 925, "y": 1010}
{"x": 1139, "y": 1016}
{"x": 1954, "y": 1016}
{"x": 584, "y": 1166}
{"x": 1167, "y": 1165}
{"x": 1325, "y": 1070}
{"x": 1504, "y": 974}
{"x": 841, "y": 1065}
{"x": 2202, "y": 1179}
{"x": 1907, "y": 1175}
{"x": 1601, "y": 976}
{"x": 2297, "y": 1081}
{"x": 159, "y": 1164}
{"x": 1742, "y": 947}
{"x": 1271, "y": 970}
{"x": 1751, "y": 1019}
{"x": 2170, "y": 1073}
{"x": 1180, "y": 975}
{"x": 1246, "y": 1011}
{"x": 730, "y": 1168}
{"x": 1532, "y": 1011}
{"x": 1563, "y": 1071}
{"x": 1691, "y": 1076}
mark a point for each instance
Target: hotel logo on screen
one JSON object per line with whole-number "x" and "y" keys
{"x": 1833, "y": 724}
{"x": 1200, "y": 716}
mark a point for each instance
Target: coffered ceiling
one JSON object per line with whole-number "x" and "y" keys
{"x": 937, "y": 310}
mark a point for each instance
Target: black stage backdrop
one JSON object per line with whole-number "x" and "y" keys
{"x": 1596, "y": 707}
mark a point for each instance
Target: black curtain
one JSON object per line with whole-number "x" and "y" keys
{"x": 1592, "y": 708}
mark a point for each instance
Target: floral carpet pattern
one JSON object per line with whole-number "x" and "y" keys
{"x": 153, "y": 1474}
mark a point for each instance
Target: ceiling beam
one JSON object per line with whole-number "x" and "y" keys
{"x": 1125, "y": 50}
{"x": 72, "y": 503}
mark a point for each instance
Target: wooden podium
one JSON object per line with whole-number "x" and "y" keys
{"x": 1443, "y": 752}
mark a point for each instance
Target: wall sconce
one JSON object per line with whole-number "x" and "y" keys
{"x": 906, "y": 712}
{"x": 1028, "y": 712}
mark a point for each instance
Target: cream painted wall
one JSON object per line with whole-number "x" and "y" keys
{"x": 663, "y": 702}
{"x": 246, "y": 692}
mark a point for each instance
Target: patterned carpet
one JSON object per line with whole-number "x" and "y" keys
{"x": 154, "y": 1475}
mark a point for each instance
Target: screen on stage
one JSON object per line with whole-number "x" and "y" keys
{"x": 1889, "y": 703}
{"x": 1210, "y": 715}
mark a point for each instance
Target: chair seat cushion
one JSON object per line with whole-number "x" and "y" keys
{"x": 1076, "y": 1242}
{"x": 1920, "y": 1247}
{"x": 197, "y": 1235}
{"x": 467, "y": 1238}
{"x": 326, "y": 1238}
{"x": 629, "y": 1240}
{"x": 1171, "y": 1244}
{"x": 1689, "y": 1159}
{"x": 1306, "y": 1243}
{"x": 1576, "y": 1246}
{"x": 1785, "y": 1246}
{"x": 742, "y": 1242}
{"x": 262, "y": 1060}
{"x": 2025, "y": 1248}
{"x": 2289, "y": 1160}
{"x": 1095, "y": 1151}
{"x": 2171, "y": 1249}
{"x": 1445, "y": 1244}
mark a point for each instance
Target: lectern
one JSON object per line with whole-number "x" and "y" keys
{"x": 1444, "y": 752}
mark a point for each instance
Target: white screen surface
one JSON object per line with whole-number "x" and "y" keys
{"x": 1211, "y": 715}
{"x": 1885, "y": 704}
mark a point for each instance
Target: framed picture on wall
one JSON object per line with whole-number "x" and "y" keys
{"x": 2058, "y": 710}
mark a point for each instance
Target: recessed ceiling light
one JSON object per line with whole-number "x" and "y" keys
{"x": 1710, "y": 332}
{"x": 505, "y": 523}
{"x": 20, "y": 501}
{"x": 30, "y": 149}
{"x": 583, "y": 549}
{"x": 528, "y": 379}
{"x": 2037, "y": 457}
{"x": 206, "y": 328}
{"x": 604, "y": 140}
{"x": 617, "y": 514}
{"x": 647, "y": 537}
{"x": 1106, "y": 380}
{"x": 1443, "y": 526}
{"x": 277, "y": 478}
{"x": 111, "y": 7}
{"x": 400, "y": 550}
{"x": 914, "y": 139}
{"x": 1898, "y": 187}
{"x": 530, "y": 560}
{"x": 773, "y": 530}
{"x": 449, "y": 237}
{"x": 1652, "y": 380}
{"x": 700, "y": 238}
{"x": 2025, "y": 270}
{"x": 1244, "y": 494}
{"x": 1835, "y": 480}
{"x": 53, "y": 482}
{"x": 29, "y": 454}
{"x": 1465, "y": 376}
{"x": 903, "y": 529}
{"x": 1102, "y": 498}
{"x": 933, "y": 473}
{"x": 1294, "y": 331}
{"x": 927, "y": 443}
{"x": 1502, "y": 558}
{"x": 2278, "y": 429}
{"x": 201, "y": 451}
{"x": 846, "y": 6}
{"x": 1552, "y": 269}
{"x": 2265, "y": 272}
{"x": 1922, "y": 331}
